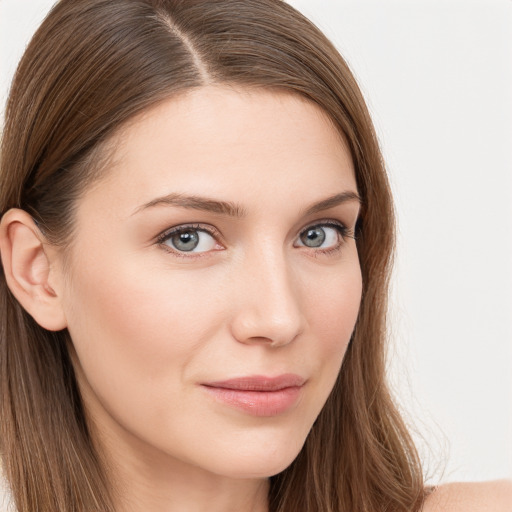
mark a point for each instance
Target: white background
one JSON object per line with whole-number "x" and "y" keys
{"x": 438, "y": 79}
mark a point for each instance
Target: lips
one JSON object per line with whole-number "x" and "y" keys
{"x": 258, "y": 395}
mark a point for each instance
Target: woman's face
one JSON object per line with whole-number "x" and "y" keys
{"x": 213, "y": 283}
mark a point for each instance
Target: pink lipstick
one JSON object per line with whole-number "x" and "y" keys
{"x": 258, "y": 395}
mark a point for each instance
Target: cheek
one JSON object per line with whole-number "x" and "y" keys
{"x": 333, "y": 307}
{"x": 130, "y": 327}
{"x": 332, "y": 311}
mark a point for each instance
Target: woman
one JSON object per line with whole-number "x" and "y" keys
{"x": 196, "y": 237}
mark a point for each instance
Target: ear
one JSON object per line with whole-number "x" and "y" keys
{"x": 28, "y": 269}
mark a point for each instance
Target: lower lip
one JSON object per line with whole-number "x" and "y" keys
{"x": 258, "y": 403}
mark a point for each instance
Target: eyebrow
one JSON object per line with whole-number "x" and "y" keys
{"x": 196, "y": 203}
{"x": 333, "y": 201}
{"x": 231, "y": 209}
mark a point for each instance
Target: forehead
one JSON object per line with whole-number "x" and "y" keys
{"x": 222, "y": 141}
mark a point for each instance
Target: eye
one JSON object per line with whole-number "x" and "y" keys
{"x": 323, "y": 236}
{"x": 189, "y": 239}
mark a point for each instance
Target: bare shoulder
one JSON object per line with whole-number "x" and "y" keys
{"x": 471, "y": 497}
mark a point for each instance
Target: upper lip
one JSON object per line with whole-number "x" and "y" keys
{"x": 259, "y": 383}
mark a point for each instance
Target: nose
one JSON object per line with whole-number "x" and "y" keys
{"x": 268, "y": 308}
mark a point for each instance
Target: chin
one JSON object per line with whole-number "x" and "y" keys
{"x": 261, "y": 462}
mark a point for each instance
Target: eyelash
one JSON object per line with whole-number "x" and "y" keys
{"x": 169, "y": 233}
{"x": 342, "y": 230}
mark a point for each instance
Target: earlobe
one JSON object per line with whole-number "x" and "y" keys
{"x": 27, "y": 269}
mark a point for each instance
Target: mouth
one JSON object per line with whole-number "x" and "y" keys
{"x": 258, "y": 395}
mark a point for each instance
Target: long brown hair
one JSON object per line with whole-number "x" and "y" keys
{"x": 93, "y": 65}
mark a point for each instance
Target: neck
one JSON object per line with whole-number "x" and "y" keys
{"x": 178, "y": 493}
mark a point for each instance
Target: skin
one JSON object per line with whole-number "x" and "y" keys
{"x": 149, "y": 324}
{"x": 471, "y": 497}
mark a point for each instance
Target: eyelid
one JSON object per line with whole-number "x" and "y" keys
{"x": 341, "y": 227}
{"x": 342, "y": 230}
{"x": 165, "y": 235}
{"x": 169, "y": 232}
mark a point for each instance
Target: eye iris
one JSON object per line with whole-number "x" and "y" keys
{"x": 186, "y": 240}
{"x": 313, "y": 237}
